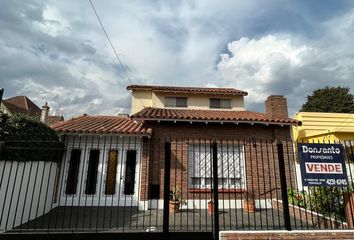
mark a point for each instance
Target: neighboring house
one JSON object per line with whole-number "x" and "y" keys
{"x": 191, "y": 118}
{"x": 102, "y": 160}
{"x": 321, "y": 127}
{"x": 53, "y": 119}
{"x": 24, "y": 105}
{"x": 47, "y": 119}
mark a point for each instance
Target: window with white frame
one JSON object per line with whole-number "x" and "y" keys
{"x": 176, "y": 102}
{"x": 231, "y": 170}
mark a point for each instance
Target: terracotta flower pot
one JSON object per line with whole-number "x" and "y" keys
{"x": 174, "y": 206}
{"x": 249, "y": 206}
{"x": 210, "y": 207}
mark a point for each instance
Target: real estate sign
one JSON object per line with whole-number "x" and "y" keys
{"x": 322, "y": 165}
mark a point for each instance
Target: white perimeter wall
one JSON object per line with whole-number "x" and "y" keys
{"x": 26, "y": 191}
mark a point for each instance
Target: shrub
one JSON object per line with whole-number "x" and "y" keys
{"x": 327, "y": 201}
{"x": 25, "y": 139}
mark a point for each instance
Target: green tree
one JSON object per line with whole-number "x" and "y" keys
{"x": 330, "y": 99}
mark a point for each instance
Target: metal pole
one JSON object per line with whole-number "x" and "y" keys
{"x": 166, "y": 197}
{"x": 284, "y": 190}
{"x": 1, "y": 94}
{"x": 215, "y": 191}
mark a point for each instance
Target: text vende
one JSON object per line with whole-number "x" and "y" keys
{"x": 324, "y": 168}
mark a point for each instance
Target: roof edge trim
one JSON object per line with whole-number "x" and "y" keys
{"x": 218, "y": 121}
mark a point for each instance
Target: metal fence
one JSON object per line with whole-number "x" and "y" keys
{"x": 133, "y": 184}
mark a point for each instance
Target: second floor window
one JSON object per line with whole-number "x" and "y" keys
{"x": 176, "y": 102}
{"x": 220, "y": 103}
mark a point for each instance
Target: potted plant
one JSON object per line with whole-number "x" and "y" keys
{"x": 248, "y": 202}
{"x": 210, "y": 206}
{"x": 175, "y": 201}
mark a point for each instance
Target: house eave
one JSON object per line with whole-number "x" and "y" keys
{"x": 102, "y": 134}
{"x": 216, "y": 121}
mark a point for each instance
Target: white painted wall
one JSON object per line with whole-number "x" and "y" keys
{"x": 26, "y": 192}
{"x": 104, "y": 144}
{"x": 140, "y": 99}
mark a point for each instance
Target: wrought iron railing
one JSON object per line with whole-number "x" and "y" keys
{"x": 133, "y": 184}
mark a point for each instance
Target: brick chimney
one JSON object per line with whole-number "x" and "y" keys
{"x": 44, "y": 114}
{"x": 276, "y": 107}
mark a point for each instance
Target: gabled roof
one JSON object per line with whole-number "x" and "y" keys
{"x": 157, "y": 114}
{"x": 101, "y": 125}
{"x": 22, "y": 105}
{"x": 195, "y": 90}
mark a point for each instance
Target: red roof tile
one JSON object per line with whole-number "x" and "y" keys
{"x": 22, "y": 105}
{"x": 150, "y": 113}
{"x": 101, "y": 125}
{"x": 170, "y": 89}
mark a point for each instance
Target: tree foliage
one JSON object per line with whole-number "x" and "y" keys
{"x": 330, "y": 99}
{"x": 21, "y": 127}
{"x": 23, "y": 138}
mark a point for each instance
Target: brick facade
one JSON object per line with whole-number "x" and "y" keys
{"x": 260, "y": 152}
{"x": 349, "y": 208}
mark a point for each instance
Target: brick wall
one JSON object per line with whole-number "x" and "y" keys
{"x": 349, "y": 208}
{"x": 314, "y": 235}
{"x": 276, "y": 107}
{"x": 261, "y": 165}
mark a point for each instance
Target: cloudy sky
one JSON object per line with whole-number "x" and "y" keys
{"x": 55, "y": 51}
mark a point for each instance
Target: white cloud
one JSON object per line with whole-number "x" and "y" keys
{"x": 53, "y": 22}
{"x": 255, "y": 64}
{"x": 61, "y": 55}
{"x": 288, "y": 65}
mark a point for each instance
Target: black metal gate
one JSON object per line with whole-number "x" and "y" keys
{"x": 179, "y": 186}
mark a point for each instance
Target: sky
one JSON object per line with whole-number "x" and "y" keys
{"x": 56, "y": 52}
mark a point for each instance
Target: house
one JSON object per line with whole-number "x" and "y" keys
{"x": 191, "y": 119}
{"x": 21, "y": 105}
{"x": 110, "y": 159}
{"x": 321, "y": 127}
{"x": 49, "y": 119}
{"x": 24, "y": 105}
